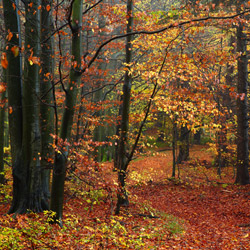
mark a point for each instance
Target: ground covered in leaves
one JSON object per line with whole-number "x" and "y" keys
{"x": 198, "y": 210}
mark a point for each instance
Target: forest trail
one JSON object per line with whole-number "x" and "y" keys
{"x": 215, "y": 213}
{"x": 197, "y": 211}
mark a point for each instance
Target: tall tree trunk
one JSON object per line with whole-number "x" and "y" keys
{"x": 122, "y": 146}
{"x": 31, "y": 150}
{"x": 13, "y": 78}
{"x": 46, "y": 110}
{"x": 242, "y": 176}
{"x": 59, "y": 171}
{"x": 14, "y": 90}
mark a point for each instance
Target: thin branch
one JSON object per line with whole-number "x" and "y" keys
{"x": 155, "y": 90}
{"x": 69, "y": 16}
{"x": 54, "y": 32}
{"x": 173, "y": 25}
{"x": 91, "y": 7}
{"x": 60, "y": 53}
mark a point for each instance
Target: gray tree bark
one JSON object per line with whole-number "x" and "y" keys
{"x": 31, "y": 197}
{"x": 242, "y": 176}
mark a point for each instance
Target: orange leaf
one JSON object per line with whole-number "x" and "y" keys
{"x": 2, "y": 87}
{"x": 14, "y": 6}
{"x": 36, "y": 60}
{"x": 4, "y": 61}
{"x": 48, "y": 7}
{"x": 242, "y": 96}
{"x": 74, "y": 64}
{"x": 10, "y": 110}
{"x": 15, "y": 51}
{"x": 9, "y": 36}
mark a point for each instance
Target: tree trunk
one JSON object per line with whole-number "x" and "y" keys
{"x": 47, "y": 121}
{"x": 174, "y": 142}
{"x": 14, "y": 90}
{"x": 184, "y": 145}
{"x": 122, "y": 146}
{"x": 2, "y": 119}
{"x": 59, "y": 172}
{"x": 31, "y": 143}
{"x": 242, "y": 176}
{"x": 14, "y": 79}
{"x": 197, "y": 137}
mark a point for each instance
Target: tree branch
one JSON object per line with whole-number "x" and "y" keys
{"x": 170, "y": 26}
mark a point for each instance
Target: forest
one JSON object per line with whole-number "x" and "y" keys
{"x": 124, "y": 124}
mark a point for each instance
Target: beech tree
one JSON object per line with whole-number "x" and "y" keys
{"x": 13, "y": 77}
{"x": 242, "y": 176}
{"x": 30, "y": 184}
{"x": 14, "y": 83}
{"x": 59, "y": 171}
{"x": 46, "y": 93}
{"x": 122, "y": 148}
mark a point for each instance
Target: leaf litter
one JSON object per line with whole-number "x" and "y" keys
{"x": 199, "y": 210}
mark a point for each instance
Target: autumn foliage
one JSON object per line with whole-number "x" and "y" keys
{"x": 199, "y": 210}
{"x": 172, "y": 116}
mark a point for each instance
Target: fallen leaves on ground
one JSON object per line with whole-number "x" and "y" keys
{"x": 197, "y": 211}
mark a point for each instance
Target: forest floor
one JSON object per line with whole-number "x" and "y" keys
{"x": 197, "y": 211}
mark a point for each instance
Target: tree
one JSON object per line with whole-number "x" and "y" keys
{"x": 122, "y": 161}
{"x": 31, "y": 194}
{"x": 31, "y": 107}
{"x": 13, "y": 78}
{"x": 14, "y": 83}
{"x": 59, "y": 171}
{"x": 242, "y": 176}
{"x": 47, "y": 104}
{"x": 24, "y": 103}
{"x": 184, "y": 145}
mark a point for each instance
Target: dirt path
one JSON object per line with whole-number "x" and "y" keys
{"x": 216, "y": 216}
